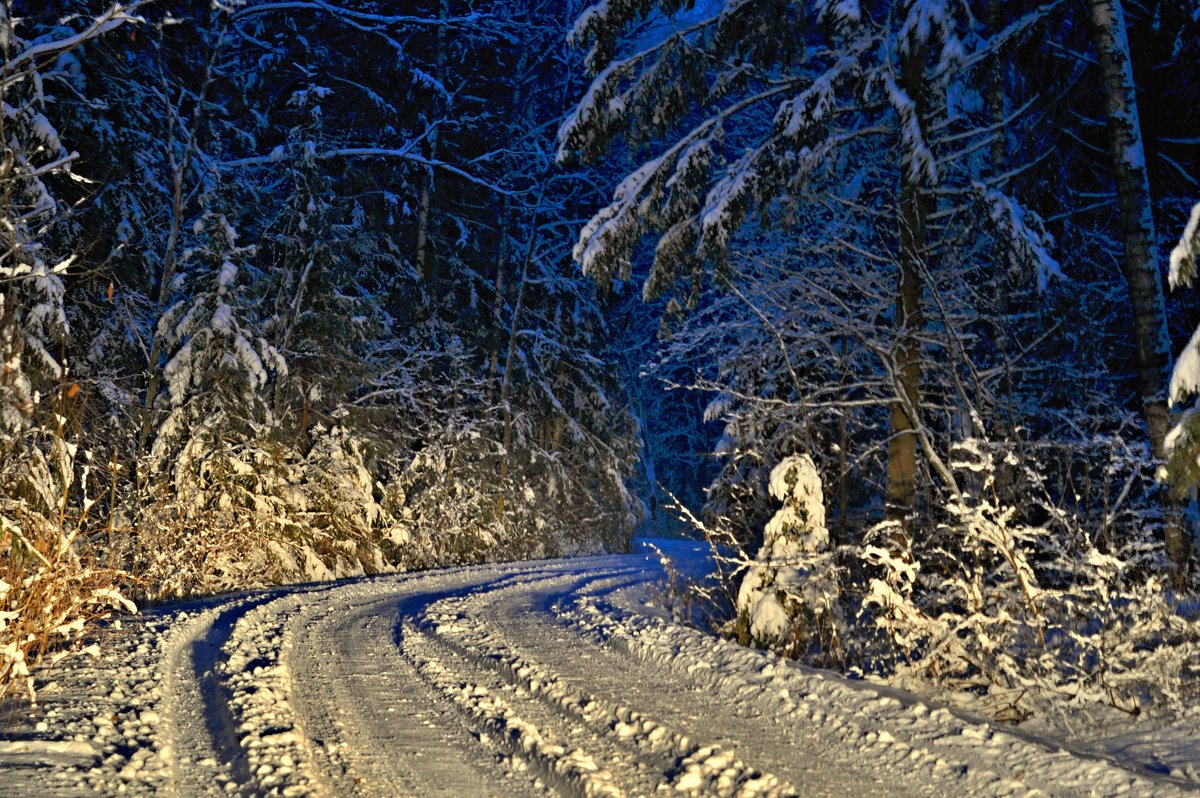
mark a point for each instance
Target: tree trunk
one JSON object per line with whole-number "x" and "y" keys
{"x": 1003, "y": 424}
{"x": 901, "y": 490}
{"x": 1140, "y": 266}
{"x": 502, "y": 250}
{"x": 424, "y": 255}
{"x": 500, "y": 287}
{"x": 506, "y": 384}
{"x": 293, "y": 318}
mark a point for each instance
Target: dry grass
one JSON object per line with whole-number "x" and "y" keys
{"x": 49, "y": 597}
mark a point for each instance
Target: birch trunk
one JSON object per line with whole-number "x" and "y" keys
{"x": 1140, "y": 265}
{"x": 510, "y": 362}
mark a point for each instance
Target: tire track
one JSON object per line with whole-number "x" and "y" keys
{"x": 375, "y": 725}
{"x": 525, "y": 680}
{"x": 688, "y": 765}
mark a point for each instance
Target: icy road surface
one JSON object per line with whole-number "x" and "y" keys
{"x": 521, "y": 679}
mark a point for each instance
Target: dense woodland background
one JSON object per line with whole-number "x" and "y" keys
{"x": 298, "y": 290}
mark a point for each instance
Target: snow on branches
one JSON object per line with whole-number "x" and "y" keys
{"x": 788, "y": 599}
{"x": 1183, "y": 441}
{"x": 1187, "y": 252}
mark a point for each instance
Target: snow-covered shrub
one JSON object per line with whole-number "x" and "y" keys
{"x": 281, "y": 518}
{"x": 52, "y": 585}
{"x": 964, "y": 607}
{"x": 348, "y": 525}
{"x": 1118, "y": 637}
{"x": 545, "y": 479}
{"x": 48, "y": 602}
{"x": 978, "y": 621}
{"x": 1034, "y": 617}
{"x": 789, "y": 596}
{"x": 448, "y": 499}
{"x": 176, "y": 550}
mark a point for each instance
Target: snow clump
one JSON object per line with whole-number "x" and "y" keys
{"x": 788, "y": 597}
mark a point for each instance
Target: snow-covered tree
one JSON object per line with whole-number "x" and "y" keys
{"x": 1140, "y": 265}
{"x": 52, "y": 584}
{"x": 1182, "y": 444}
{"x": 768, "y": 108}
{"x": 788, "y": 598}
{"x": 209, "y": 456}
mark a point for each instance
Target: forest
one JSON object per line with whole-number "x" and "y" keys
{"x": 889, "y": 301}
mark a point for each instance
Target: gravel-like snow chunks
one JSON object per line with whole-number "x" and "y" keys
{"x": 98, "y": 726}
{"x": 277, "y": 753}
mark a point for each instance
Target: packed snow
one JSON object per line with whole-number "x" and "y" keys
{"x": 553, "y": 677}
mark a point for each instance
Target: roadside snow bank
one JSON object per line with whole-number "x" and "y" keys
{"x": 885, "y": 725}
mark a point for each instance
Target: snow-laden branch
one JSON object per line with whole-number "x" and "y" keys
{"x": 407, "y": 154}
{"x": 118, "y": 14}
{"x": 605, "y": 226}
{"x": 602, "y": 97}
{"x": 359, "y": 16}
{"x": 1185, "y": 377}
{"x": 1186, "y": 253}
{"x": 1018, "y": 28}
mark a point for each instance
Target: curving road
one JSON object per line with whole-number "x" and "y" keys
{"x": 526, "y": 679}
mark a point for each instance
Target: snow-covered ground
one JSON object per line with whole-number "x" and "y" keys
{"x": 521, "y": 679}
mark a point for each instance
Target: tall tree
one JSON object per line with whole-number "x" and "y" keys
{"x": 915, "y": 181}
{"x": 1141, "y": 265}
{"x": 760, "y": 103}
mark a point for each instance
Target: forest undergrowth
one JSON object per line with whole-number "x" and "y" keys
{"x": 1054, "y": 621}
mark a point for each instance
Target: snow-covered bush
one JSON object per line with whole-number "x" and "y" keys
{"x": 284, "y": 519}
{"x": 1029, "y": 609}
{"x": 789, "y": 596}
{"x": 48, "y": 602}
{"x": 53, "y": 584}
{"x": 449, "y": 498}
{"x": 1034, "y": 617}
{"x": 977, "y": 621}
{"x": 348, "y": 525}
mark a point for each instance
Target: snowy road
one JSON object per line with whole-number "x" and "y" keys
{"x": 520, "y": 679}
